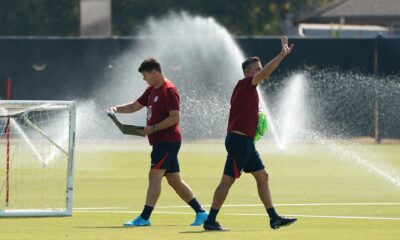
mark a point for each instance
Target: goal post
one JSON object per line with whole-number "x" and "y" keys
{"x": 37, "y": 141}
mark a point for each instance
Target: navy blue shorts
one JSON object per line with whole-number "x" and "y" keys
{"x": 165, "y": 156}
{"x": 242, "y": 155}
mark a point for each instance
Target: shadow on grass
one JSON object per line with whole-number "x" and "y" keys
{"x": 219, "y": 232}
{"x": 204, "y": 231}
{"x": 199, "y": 231}
{"x": 122, "y": 227}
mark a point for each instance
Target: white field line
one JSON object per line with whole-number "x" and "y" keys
{"x": 251, "y": 214}
{"x": 126, "y": 210}
{"x": 255, "y": 205}
{"x": 320, "y": 216}
{"x": 294, "y": 204}
{"x": 100, "y": 208}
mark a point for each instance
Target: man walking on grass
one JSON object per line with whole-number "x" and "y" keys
{"x": 162, "y": 101}
{"x": 239, "y": 141}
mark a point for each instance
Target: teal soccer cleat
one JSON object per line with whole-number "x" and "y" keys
{"x": 137, "y": 222}
{"x": 201, "y": 217}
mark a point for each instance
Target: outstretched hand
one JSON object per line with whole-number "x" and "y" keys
{"x": 112, "y": 110}
{"x": 286, "y": 50}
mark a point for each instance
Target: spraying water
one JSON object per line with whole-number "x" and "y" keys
{"x": 271, "y": 121}
{"x": 16, "y": 126}
{"x": 292, "y": 110}
{"x": 203, "y": 60}
{"x": 347, "y": 92}
{"x": 286, "y": 123}
{"x": 200, "y": 57}
{"x": 347, "y": 153}
{"x": 197, "y": 54}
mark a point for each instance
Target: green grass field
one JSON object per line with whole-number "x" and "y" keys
{"x": 335, "y": 194}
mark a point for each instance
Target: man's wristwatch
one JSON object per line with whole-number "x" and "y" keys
{"x": 154, "y": 127}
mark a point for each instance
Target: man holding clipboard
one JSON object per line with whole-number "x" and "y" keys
{"x": 125, "y": 128}
{"x": 162, "y": 101}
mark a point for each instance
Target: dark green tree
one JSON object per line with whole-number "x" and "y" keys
{"x": 39, "y": 17}
{"x": 240, "y": 17}
{"x": 61, "y": 17}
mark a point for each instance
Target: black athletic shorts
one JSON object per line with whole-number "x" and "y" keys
{"x": 242, "y": 155}
{"x": 165, "y": 156}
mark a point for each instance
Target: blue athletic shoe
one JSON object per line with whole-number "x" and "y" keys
{"x": 201, "y": 217}
{"x": 137, "y": 222}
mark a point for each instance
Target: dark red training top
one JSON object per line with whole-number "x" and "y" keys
{"x": 243, "y": 115}
{"x": 159, "y": 102}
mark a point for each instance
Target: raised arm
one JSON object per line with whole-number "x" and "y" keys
{"x": 127, "y": 108}
{"x": 267, "y": 70}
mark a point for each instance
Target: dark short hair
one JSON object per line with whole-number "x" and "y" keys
{"x": 149, "y": 65}
{"x": 247, "y": 63}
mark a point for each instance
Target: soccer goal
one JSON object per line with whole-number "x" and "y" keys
{"x": 37, "y": 140}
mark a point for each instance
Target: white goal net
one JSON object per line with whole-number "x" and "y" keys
{"x": 37, "y": 141}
